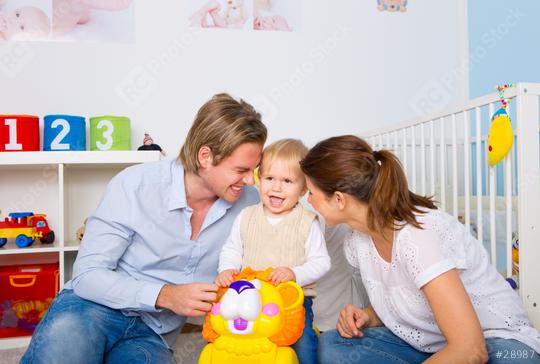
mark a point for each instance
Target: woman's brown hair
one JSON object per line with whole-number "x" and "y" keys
{"x": 349, "y": 165}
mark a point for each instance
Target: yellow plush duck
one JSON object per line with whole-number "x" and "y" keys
{"x": 500, "y": 138}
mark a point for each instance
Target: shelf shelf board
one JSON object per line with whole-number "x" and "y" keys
{"x": 15, "y": 342}
{"x": 71, "y": 246}
{"x": 78, "y": 158}
{"x": 37, "y": 247}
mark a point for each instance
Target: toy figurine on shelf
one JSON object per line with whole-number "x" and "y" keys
{"x": 79, "y": 234}
{"x": 148, "y": 144}
{"x": 25, "y": 227}
{"x": 254, "y": 321}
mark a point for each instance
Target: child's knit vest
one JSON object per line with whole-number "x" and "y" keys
{"x": 280, "y": 245}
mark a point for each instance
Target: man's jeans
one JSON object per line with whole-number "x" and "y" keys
{"x": 380, "y": 345}
{"x": 78, "y": 331}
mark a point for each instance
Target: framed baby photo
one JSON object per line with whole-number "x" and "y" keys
{"x": 224, "y": 14}
{"x": 67, "y": 20}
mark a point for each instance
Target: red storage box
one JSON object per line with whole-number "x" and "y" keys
{"x": 26, "y": 292}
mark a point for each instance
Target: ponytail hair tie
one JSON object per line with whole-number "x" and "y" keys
{"x": 377, "y": 156}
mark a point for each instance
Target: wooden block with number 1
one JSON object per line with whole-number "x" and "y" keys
{"x": 19, "y": 133}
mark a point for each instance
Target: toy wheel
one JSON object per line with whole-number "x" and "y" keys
{"x": 48, "y": 239}
{"x": 23, "y": 241}
{"x": 3, "y": 242}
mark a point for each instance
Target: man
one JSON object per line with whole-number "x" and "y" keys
{"x": 158, "y": 229}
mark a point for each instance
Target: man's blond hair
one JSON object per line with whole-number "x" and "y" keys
{"x": 222, "y": 124}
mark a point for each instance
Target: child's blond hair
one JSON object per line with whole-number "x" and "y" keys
{"x": 289, "y": 150}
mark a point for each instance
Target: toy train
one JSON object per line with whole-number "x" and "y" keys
{"x": 25, "y": 228}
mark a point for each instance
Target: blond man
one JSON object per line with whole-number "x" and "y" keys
{"x": 151, "y": 248}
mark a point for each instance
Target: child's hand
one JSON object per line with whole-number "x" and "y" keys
{"x": 225, "y": 278}
{"x": 281, "y": 274}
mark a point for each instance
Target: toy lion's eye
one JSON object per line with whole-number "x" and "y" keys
{"x": 229, "y": 305}
{"x": 250, "y": 304}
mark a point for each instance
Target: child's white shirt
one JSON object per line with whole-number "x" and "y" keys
{"x": 317, "y": 262}
{"x": 419, "y": 256}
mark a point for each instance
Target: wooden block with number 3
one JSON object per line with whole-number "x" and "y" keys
{"x": 110, "y": 133}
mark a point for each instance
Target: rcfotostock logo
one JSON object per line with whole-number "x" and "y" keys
{"x": 142, "y": 81}
{"x": 432, "y": 97}
{"x": 436, "y": 94}
{"x": 136, "y": 86}
{"x": 318, "y": 55}
{"x": 14, "y": 57}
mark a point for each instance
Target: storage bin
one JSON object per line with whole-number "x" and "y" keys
{"x": 26, "y": 292}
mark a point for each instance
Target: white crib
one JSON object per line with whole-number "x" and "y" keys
{"x": 444, "y": 155}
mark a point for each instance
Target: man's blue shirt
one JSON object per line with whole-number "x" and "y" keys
{"x": 139, "y": 239}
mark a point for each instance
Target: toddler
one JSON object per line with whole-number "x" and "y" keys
{"x": 280, "y": 233}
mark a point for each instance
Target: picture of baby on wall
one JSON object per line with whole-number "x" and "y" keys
{"x": 68, "y": 15}
{"x": 25, "y": 20}
{"x": 392, "y": 5}
{"x": 233, "y": 14}
{"x": 277, "y": 15}
{"x": 63, "y": 19}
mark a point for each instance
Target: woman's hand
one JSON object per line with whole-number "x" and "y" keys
{"x": 351, "y": 320}
{"x": 281, "y": 274}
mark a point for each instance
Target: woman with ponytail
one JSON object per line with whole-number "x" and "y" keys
{"x": 434, "y": 295}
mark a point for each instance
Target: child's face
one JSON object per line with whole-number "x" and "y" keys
{"x": 282, "y": 185}
{"x": 24, "y": 23}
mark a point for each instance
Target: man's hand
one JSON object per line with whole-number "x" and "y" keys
{"x": 351, "y": 320}
{"x": 281, "y": 274}
{"x": 194, "y": 299}
{"x": 225, "y": 278}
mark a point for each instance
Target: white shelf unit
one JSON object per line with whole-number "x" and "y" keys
{"x": 67, "y": 187}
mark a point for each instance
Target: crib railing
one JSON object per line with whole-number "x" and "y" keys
{"x": 445, "y": 156}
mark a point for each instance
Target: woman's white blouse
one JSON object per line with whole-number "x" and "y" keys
{"x": 420, "y": 255}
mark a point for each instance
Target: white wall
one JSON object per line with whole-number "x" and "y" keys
{"x": 349, "y": 68}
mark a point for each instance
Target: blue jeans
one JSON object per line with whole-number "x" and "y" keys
{"x": 75, "y": 330}
{"x": 306, "y": 346}
{"x": 380, "y": 345}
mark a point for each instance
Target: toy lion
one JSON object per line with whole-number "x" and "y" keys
{"x": 254, "y": 322}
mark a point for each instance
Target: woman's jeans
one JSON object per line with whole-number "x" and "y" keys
{"x": 380, "y": 345}
{"x": 75, "y": 330}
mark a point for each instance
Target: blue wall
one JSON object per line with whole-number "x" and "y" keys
{"x": 504, "y": 43}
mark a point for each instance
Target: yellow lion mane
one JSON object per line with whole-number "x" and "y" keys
{"x": 293, "y": 318}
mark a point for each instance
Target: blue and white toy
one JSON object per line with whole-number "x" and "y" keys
{"x": 64, "y": 133}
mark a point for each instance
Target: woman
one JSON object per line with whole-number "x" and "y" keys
{"x": 434, "y": 296}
